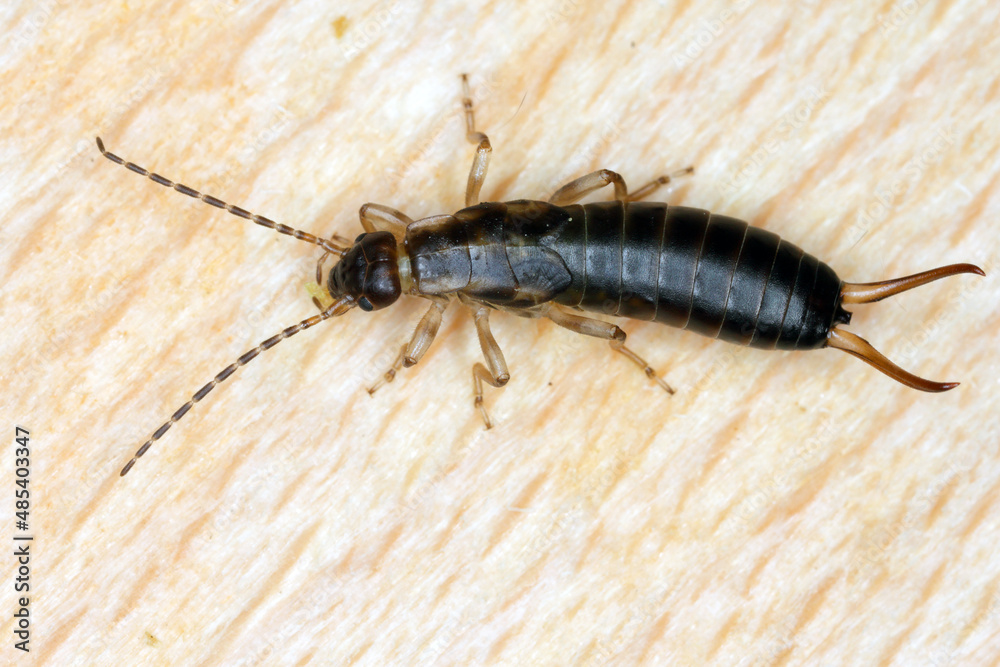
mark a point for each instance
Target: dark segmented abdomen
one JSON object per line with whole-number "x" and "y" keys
{"x": 708, "y": 273}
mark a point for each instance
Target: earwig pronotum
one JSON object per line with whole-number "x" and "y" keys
{"x": 681, "y": 266}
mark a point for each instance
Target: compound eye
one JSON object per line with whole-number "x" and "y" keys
{"x": 365, "y": 304}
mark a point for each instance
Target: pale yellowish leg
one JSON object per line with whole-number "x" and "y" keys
{"x": 483, "y": 151}
{"x": 614, "y": 335}
{"x": 581, "y": 187}
{"x": 495, "y": 372}
{"x": 413, "y": 351}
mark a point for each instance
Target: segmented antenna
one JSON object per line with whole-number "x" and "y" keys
{"x": 329, "y": 246}
{"x": 337, "y": 308}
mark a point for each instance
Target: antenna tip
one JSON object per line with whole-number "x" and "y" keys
{"x": 100, "y": 144}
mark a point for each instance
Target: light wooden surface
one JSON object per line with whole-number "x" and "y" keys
{"x": 781, "y": 508}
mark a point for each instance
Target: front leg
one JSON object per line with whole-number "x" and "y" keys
{"x": 413, "y": 351}
{"x": 483, "y": 151}
{"x": 379, "y": 218}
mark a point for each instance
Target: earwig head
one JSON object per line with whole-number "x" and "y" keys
{"x": 368, "y": 272}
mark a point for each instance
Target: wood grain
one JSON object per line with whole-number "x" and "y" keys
{"x": 780, "y": 509}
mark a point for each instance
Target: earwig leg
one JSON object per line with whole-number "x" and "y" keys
{"x": 497, "y": 374}
{"x": 581, "y": 187}
{"x": 480, "y": 374}
{"x": 320, "y": 287}
{"x": 319, "y": 268}
{"x": 379, "y": 218}
{"x": 657, "y": 183}
{"x": 482, "y": 160}
{"x": 390, "y": 374}
{"x": 610, "y": 332}
{"x": 478, "y": 172}
{"x": 414, "y": 351}
{"x": 619, "y": 346}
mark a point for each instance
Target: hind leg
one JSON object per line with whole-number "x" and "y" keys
{"x": 581, "y": 187}
{"x": 611, "y": 333}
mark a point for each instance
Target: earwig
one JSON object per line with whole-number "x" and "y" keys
{"x": 680, "y": 266}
